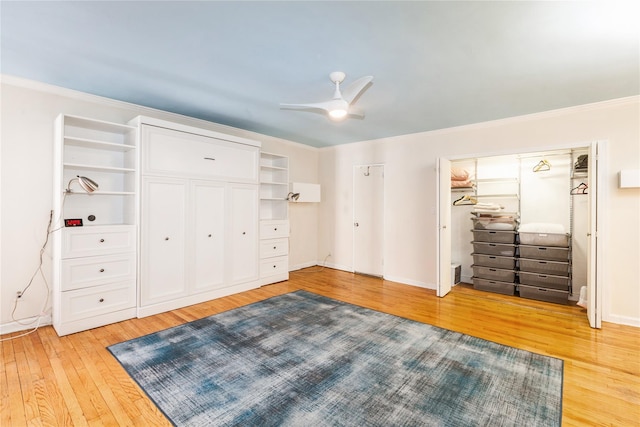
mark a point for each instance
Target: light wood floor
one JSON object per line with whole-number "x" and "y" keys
{"x": 74, "y": 380}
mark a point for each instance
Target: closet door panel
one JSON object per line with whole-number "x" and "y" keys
{"x": 208, "y": 213}
{"x": 243, "y": 233}
{"x": 163, "y": 240}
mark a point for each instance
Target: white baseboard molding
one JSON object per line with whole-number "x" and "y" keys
{"x": 7, "y": 328}
{"x": 410, "y": 282}
{"x": 303, "y": 265}
{"x": 623, "y": 320}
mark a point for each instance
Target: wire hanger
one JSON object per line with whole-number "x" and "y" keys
{"x": 543, "y": 165}
{"x": 580, "y": 189}
{"x": 465, "y": 200}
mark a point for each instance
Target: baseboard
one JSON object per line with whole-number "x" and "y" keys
{"x": 7, "y": 328}
{"x": 410, "y": 282}
{"x": 303, "y": 265}
{"x": 623, "y": 320}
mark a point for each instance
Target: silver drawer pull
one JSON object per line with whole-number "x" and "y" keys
{"x": 102, "y": 270}
{"x": 209, "y": 158}
{"x": 101, "y": 300}
{"x": 101, "y": 240}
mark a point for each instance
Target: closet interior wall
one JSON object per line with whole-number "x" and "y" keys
{"x": 532, "y": 195}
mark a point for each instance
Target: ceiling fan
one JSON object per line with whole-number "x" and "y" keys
{"x": 339, "y": 106}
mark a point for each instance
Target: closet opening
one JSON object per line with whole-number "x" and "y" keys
{"x": 522, "y": 224}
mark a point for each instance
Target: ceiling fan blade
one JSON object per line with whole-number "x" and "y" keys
{"x": 356, "y": 113}
{"x": 355, "y": 88}
{"x": 311, "y": 106}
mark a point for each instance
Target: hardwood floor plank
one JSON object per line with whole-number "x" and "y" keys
{"x": 74, "y": 380}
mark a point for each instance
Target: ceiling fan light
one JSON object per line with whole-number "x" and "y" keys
{"x": 338, "y": 113}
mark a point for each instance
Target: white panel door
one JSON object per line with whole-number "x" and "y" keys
{"x": 207, "y": 235}
{"x": 368, "y": 219}
{"x": 594, "y": 243}
{"x": 444, "y": 229}
{"x": 163, "y": 240}
{"x": 242, "y": 233}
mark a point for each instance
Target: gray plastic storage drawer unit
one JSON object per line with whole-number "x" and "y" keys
{"x": 494, "y": 273}
{"x": 495, "y": 261}
{"x": 544, "y": 239}
{"x": 493, "y": 236}
{"x": 499, "y": 223}
{"x": 502, "y": 249}
{"x": 544, "y": 252}
{"x": 544, "y": 294}
{"x": 494, "y": 286}
{"x": 544, "y": 267}
{"x": 544, "y": 280}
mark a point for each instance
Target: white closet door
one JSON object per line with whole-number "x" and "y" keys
{"x": 368, "y": 219}
{"x": 444, "y": 228}
{"x": 594, "y": 242}
{"x": 243, "y": 232}
{"x": 163, "y": 240}
{"x": 207, "y": 235}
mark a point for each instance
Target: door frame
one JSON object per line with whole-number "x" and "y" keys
{"x": 596, "y": 207}
{"x": 382, "y": 231}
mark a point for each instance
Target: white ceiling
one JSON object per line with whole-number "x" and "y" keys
{"x": 435, "y": 64}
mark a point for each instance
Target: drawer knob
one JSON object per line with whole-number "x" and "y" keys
{"x": 275, "y": 247}
{"x": 166, "y": 238}
{"x": 274, "y": 266}
{"x": 101, "y": 240}
{"x": 101, "y": 300}
{"x": 102, "y": 270}
{"x": 275, "y": 229}
{"x": 209, "y": 235}
{"x": 244, "y": 232}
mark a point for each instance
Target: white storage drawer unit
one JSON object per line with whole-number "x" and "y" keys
{"x": 274, "y": 251}
{"x": 274, "y": 229}
{"x": 274, "y": 266}
{"x": 173, "y": 152}
{"x": 274, "y": 247}
{"x": 98, "y": 240}
{"x": 99, "y": 300}
{"x": 85, "y": 272}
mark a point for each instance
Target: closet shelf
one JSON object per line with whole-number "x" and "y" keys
{"x": 511, "y": 196}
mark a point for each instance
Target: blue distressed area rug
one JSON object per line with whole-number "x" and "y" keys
{"x": 301, "y": 359}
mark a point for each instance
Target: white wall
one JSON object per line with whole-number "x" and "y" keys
{"x": 28, "y": 113}
{"x": 410, "y": 191}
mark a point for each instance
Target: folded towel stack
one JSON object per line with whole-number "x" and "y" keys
{"x": 460, "y": 178}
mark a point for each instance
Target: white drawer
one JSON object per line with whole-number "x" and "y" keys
{"x": 274, "y": 229}
{"x": 90, "y": 302}
{"x": 80, "y": 273}
{"x": 272, "y": 266}
{"x": 274, "y": 247}
{"x": 98, "y": 240}
{"x": 175, "y": 152}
